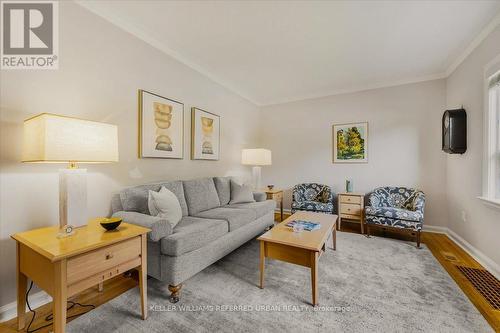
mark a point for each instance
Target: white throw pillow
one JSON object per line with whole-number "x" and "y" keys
{"x": 165, "y": 204}
{"x": 240, "y": 193}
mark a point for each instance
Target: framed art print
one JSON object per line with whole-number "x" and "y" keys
{"x": 350, "y": 143}
{"x": 161, "y": 126}
{"x": 205, "y": 135}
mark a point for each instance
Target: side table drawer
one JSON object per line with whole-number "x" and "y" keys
{"x": 102, "y": 276}
{"x": 89, "y": 264}
{"x": 350, "y": 199}
{"x": 350, "y": 209}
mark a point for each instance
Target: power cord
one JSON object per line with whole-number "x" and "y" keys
{"x": 51, "y": 316}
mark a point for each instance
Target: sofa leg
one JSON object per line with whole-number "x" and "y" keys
{"x": 367, "y": 231}
{"x": 175, "y": 292}
{"x": 418, "y": 239}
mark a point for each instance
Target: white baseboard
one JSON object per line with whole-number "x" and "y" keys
{"x": 436, "y": 229}
{"x": 479, "y": 256}
{"x": 9, "y": 311}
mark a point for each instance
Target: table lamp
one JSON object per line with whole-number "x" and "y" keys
{"x": 50, "y": 138}
{"x": 256, "y": 157}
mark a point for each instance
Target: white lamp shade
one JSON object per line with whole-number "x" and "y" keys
{"x": 53, "y": 138}
{"x": 256, "y": 156}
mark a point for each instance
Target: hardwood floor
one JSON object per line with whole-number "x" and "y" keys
{"x": 445, "y": 250}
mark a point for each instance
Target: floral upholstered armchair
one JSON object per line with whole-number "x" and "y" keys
{"x": 396, "y": 207}
{"x": 312, "y": 197}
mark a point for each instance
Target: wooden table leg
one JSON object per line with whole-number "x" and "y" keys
{"x": 143, "y": 278}
{"x": 60, "y": 296}
{"x": 362, "y": 226}
{"x": 334, "y": 238}
{"x": 262, "y": 263}
{"x": 314, "y": 277}
{"x": 281, "y": 209}
{"x": 22, "y": 282}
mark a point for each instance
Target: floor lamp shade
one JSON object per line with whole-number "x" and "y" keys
{"x": 50, "y": 138}
{"x": 256, "y": 157}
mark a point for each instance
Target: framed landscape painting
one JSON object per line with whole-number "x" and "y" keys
{"x": 205, "y": 135}
{"x": 161, "y": 126}
{"x": 350, "y": 143}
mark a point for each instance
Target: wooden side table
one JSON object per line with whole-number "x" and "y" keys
{"x": 66, "y": 266}
{"x": 276, "y": 195}
{"x": 351, "y": 207}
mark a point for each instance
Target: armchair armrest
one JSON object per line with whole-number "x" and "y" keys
{"x": 159, "y": 226}
{"x": 259, "y": 196}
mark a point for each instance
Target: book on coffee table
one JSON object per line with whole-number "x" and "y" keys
{"x": 306, "y": 225}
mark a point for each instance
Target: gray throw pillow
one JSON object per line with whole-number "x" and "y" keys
{"x": 240, "y": 193}
{"x": 165, "y": 204}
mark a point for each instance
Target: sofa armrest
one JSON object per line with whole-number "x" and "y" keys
{"x": 259, "y": 196}
{"x": 159, "y": 226}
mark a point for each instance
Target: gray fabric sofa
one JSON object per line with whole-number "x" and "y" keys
{"x": 209, "y": 229}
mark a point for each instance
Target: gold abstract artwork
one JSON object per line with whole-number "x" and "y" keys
{"x": 207, "y": 129}
{"x": 162, "y": 119}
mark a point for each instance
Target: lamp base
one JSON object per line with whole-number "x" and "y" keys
{"x": 256, "y": 177}
{"x": 66, "y": 231}
{"x": 72, "y": 198}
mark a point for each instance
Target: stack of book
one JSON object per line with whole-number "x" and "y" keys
{"x": 306, "y": 225}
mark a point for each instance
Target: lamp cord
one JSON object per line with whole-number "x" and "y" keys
{"x": 51, "y": 316}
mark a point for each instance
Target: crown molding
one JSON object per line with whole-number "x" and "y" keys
{"x": 141, "y": 33}
{"x": 386, "y": 84}
{"x": 474, "y": 44}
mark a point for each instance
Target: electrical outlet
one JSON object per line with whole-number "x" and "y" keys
{"x": 464, "y": 216}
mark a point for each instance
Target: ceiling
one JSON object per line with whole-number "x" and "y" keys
{"x": 279, "y": 51}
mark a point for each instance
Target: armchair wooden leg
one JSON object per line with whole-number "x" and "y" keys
{"x": 175, "y": 292}
{"x": 418, "y": 239}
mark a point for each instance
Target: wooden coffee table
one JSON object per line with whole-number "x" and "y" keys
{"x": 302, "y": 248}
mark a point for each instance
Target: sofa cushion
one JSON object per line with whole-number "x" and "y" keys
{"x": 395, "y": 223}
{"x": 200, "y": 195}
{"x": 240, "y": 193}
{"x": 260, "y": 208}
{"x": 395, "y": 213}
{"x": 135, "y": 199}
{"x": 192, "y": 233}
{"x": 235, "y": 217}
{"x": 314, "y": 206}
{"x": 223, "y": 187}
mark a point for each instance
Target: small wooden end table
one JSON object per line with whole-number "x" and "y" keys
{"x": 302, "y": 248}
{"x": 66, "y": 266}
{"x": 351, "y": 207}
{"x": 276, "y": 195}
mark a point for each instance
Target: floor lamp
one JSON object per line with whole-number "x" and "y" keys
{"x": 257, "y": 157}
{"x": 50, "y": 138}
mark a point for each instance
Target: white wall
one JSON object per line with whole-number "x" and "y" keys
{"x": 404, "y": 142}
{"x": 481, "y": 228}
{"x": 101, "y": 68}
